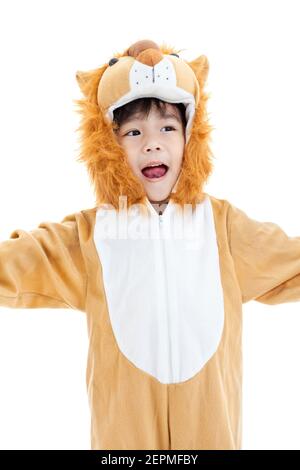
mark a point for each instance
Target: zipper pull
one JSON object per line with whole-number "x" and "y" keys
{"x": 160, "y": 217}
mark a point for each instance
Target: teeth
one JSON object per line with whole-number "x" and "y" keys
{"x": 153, "y": 165}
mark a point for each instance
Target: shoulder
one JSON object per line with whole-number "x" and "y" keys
{"x": 82, "y": 222}
{"x": 219, "y": 206}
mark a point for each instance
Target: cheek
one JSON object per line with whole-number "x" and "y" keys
{"x": 132, "y": 161}
{"x": 178, "y": 150}
{"x": 129, "y": 152}
{"x": 178, "y": 160}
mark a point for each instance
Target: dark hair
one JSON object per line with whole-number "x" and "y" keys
{"x": 142, "y": 107}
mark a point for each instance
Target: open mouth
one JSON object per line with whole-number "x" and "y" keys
{"x": 155, "y": 171}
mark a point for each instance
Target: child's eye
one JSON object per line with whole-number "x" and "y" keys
{"x": 131, "y": 131}
{"x": 170, "y": 127}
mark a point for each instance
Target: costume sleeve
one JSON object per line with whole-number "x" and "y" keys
{"x": 44, "y": 267}
{"x": 266, "y": 259}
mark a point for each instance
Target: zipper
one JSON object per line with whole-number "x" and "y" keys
{"x": 166, "y": 292}
{"x": 160, "y": 214}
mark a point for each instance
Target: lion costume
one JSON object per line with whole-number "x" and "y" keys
{"x": 164, "y": 315}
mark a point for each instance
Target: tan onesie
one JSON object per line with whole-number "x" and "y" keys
{"x": 164, "y": 314}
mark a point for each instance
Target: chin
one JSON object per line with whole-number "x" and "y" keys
{"x": 159, "y": 195}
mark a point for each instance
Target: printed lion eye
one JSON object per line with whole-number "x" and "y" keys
{"x": 113, "y": 61}
{"x": 175, "y": 54}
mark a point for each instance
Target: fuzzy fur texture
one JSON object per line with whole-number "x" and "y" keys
{"x": 106, "y": 161}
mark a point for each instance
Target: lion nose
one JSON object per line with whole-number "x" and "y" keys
{"x": 146, "y": 51}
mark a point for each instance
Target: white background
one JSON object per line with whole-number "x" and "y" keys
{"x": 253, "y": 51}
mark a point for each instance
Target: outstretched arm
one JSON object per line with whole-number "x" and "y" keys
{"x": 43, "y": 267}
{"x": 266, "y": 259}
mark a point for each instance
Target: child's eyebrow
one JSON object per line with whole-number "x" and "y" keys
{"x": 172, "y": 116}
{"x": 165, "y": 116}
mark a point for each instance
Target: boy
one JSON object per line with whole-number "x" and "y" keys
{"x": 160, "y": 268}
{"x": 157, "y": 168}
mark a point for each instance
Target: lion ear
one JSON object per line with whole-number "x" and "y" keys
{"x": 82, "y": 80}
{"x": 88, "y": 81}
{"x": 200, "y": 68}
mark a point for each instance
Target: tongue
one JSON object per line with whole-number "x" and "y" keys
{"x": 155, "y": 171}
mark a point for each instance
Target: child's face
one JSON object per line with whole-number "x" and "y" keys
{"x": 154, "y": 138}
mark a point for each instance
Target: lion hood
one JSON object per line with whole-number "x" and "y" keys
{"x": 143, "y": 70}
